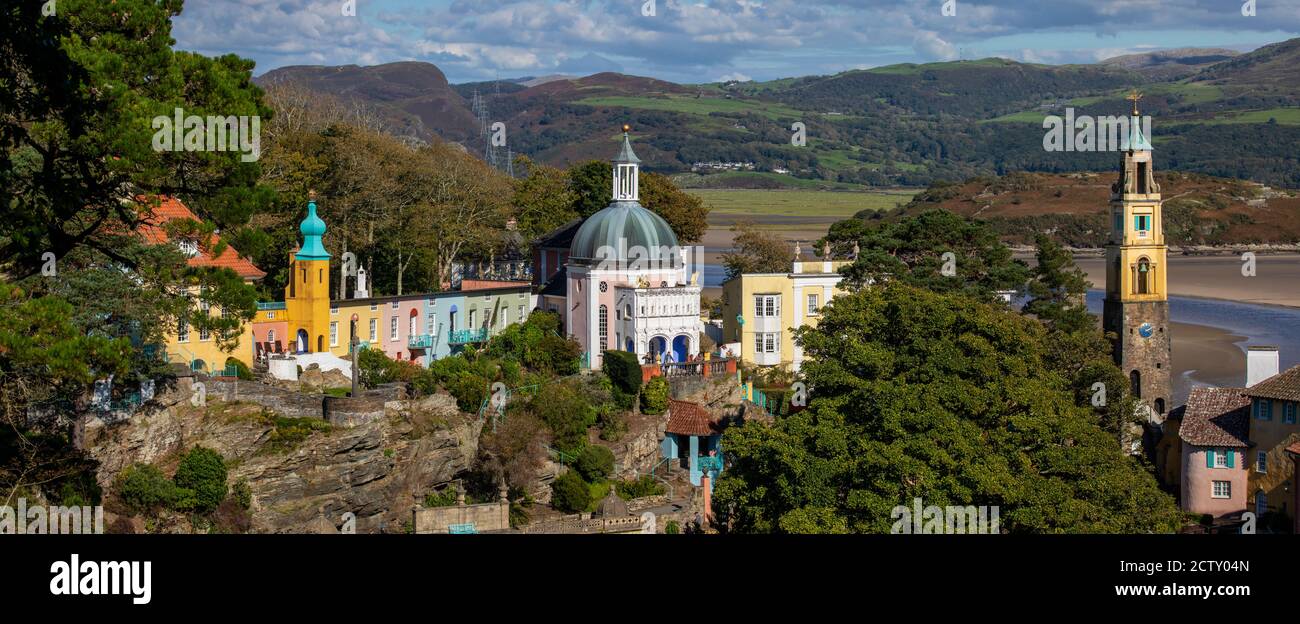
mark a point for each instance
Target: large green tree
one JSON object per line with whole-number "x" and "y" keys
{"x": 937, "y": 396}
{"x": 756, "y": 251}
{"x": 1058, "y": 288}
{"x": 913, "y": 250}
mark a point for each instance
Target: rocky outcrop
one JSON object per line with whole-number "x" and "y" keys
{"x": 376, "y": 470}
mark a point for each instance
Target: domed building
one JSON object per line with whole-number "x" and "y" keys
{"x": 629, "y": 284}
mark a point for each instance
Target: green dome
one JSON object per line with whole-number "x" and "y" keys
{"x": 621, "y": 226}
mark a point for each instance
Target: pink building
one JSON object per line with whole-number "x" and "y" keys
{"x": 1214, "y": 434}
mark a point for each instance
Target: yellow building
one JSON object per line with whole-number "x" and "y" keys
{"x": 197, "y": 347}
{"x": 761, "y": 310}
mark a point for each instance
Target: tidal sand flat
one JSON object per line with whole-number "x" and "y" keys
{"x": 1276, "y": 280}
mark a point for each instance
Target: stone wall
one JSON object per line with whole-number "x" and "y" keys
{"x": 484, "y": 516}
{"x": 340, "y": 411}
{"x": 290, "y": 403}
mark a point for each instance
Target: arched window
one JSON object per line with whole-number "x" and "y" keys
{"x": 1160, "y": 406}
{"x": 604, "y": 326}
{"x": 1135, "y": 383}
{"x": 1142, "y": 277}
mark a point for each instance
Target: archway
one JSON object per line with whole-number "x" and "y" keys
{"x": 1135, "y": 383}
{"x": 630, "y": 346}
{"x": 658, "y": 345}
{"x": 301, "y": 346}
{"x": 681, "y": 347}
{"x": 320, "y": 344}
{"x": 1143, "y": 276}
{"x": 1160, "y": 406}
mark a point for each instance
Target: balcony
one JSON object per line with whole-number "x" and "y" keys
{"x": 420, "y": 341}
{"x": 465, "y": 336}
{"x": 270, "y": 305}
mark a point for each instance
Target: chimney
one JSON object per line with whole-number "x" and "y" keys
{"x": 1261, "y": 363}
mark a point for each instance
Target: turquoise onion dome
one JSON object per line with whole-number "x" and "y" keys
{"x": 312, "y": 228}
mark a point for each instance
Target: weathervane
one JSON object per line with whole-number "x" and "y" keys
{"x": 1134, "y": 96}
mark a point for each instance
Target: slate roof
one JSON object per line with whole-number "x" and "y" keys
{"x": 561, "y": 237}
{"x": 688, "y": 418}
{"x": 1216, "y": 417}
{"x": 153, "y": 230}
{"x": 1284, "y": 386}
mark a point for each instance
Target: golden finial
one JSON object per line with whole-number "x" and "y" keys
{"x": 626, "y": 128}
{"x": 1134, "y": 96}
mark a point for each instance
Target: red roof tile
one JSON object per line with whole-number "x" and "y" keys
{"x": 1216, "y": 417}
{"x": 689, "y": 418}
{"x": 1284, "y": 386}
{"x": 170, "y": 208}
{"x": 1294, "y": 449}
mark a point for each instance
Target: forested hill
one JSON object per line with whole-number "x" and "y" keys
{"x": 1199, "y": 210}
{"x": 1214, "y": 112}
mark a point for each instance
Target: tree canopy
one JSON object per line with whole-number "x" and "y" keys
{"x": 921, "y": 394}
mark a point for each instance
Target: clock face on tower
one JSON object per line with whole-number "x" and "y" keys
{"x": 1145, "y": 330}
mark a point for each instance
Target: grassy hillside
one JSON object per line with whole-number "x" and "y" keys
{"x": 1198, "y": 209}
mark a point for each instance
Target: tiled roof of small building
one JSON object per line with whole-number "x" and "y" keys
{"x": 1284, "y": 386}
{"x": 688, "y": 418}
{"x": 153, "y": 230}
{"x": 1294, "y": 449}
{"x": 1216, "y": 417}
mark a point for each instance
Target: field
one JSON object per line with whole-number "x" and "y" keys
{"x": 697, "y": 106}
{"x": 729, "y": 205}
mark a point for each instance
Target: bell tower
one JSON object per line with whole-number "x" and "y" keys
{"x": 307, "y": 295}
{"x": 1136, "y": 306}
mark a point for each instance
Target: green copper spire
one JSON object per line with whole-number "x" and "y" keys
{"x": 312, "y": 228}
{"x": 626, "y": 155}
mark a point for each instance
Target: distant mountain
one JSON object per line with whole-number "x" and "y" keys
{"x": 1171, "y": 64}
{"x": 541, "y": 80}
{"x": 414, "y": 97}
{"x": 1216, "y": 112}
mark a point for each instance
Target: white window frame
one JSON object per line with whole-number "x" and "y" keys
{"x": 182, "y": 330}
{"x": 374, "y": 330}
{"x": 392, "y": 329}
{"x": 1220, "y": 459}
{"x": 334, "y": 333}
{"x": 768, "y": 342}
{"x": 767, "y": 306}
{"x": 270, "y": 336}
{"x": 813, "y": 308}
{"x": 1214, "y": 489}
{"x": 1261, "y": 462}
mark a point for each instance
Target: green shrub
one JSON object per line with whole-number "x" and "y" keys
{"x": 287, "y": 433}
{"x": 241, "y": 369}
{"x": 470, "y": 390}
{"x": 612, "y": 424}
{"x": 672, "y": 528}
{"x": 242, "y": 494}
{"x": 569, "y": 493}
{"x": 644, "y": 486}
{"x": 144, "y": 488}
{"x": 624, "y": 371}
{"x": 445, "y": 498}
{"x": 594, "y": 463}
{"x": 566, "y": 412}
{"x": 202, "y": 475}
{"x": 425, "y": 383}
{"x": 654, "y": 399}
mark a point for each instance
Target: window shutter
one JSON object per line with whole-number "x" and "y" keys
{"x": 1209, "y": 458}
{"x": 1230, "y": 457}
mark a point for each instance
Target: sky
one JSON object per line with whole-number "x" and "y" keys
{"x": 694, "y": 41}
